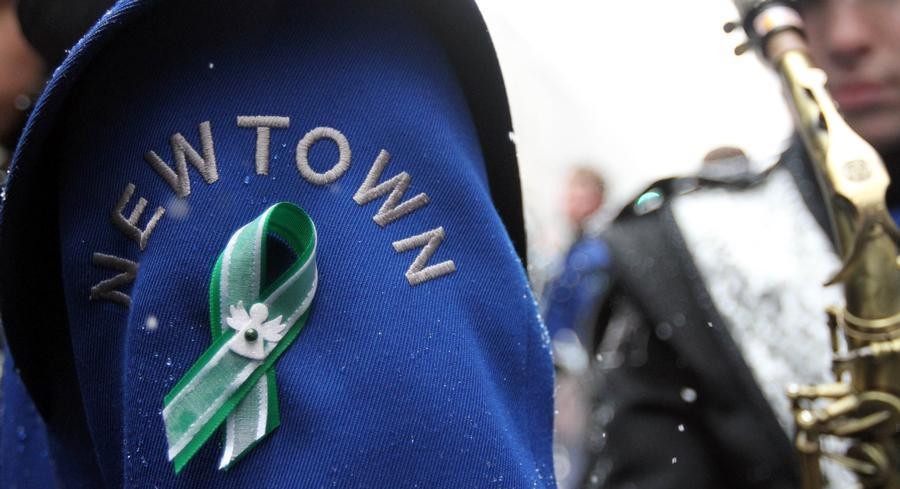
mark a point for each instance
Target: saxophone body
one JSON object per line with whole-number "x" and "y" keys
{"x": 862, "y": 405}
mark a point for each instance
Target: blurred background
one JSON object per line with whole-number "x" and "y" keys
{"x": 636, "y": 91}
{"x": 639, "y": 90}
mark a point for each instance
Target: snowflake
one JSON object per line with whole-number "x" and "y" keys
{"x": 252, "y": 328}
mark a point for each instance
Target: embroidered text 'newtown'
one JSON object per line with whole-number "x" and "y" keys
{"x": 393, "y": 189}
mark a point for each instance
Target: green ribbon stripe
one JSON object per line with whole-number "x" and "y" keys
{"x": 233, "y": 381}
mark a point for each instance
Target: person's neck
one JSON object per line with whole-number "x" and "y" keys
{"x": 577, "y": 232}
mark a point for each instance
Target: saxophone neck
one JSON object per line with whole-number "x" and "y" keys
{"x": 854, "y": 182}
{"x": 850, "y": 173}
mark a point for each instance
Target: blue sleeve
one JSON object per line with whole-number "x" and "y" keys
{"x": 24, "y": 454}
{"x": 423, "y": 362}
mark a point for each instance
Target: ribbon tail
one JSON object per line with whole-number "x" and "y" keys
{"x": 254, "y": 417}
{"x": 205, "y": 397}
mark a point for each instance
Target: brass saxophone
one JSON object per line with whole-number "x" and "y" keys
{"x": 862, "y": 405}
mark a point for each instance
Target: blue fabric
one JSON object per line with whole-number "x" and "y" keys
{"x": 25, "y": 461}
{"x": 571, "y": 298}
{"x": 448, "y": 384}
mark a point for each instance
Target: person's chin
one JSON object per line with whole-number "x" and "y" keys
{"x": 881, "y": 128}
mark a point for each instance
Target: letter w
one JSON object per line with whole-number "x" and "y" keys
{"x": 183, "y": 151}
{"x": 390, "y": 211}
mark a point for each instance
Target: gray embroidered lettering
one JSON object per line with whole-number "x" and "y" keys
{"x": 263, "y": 124}
{"x": 183, "y": 151}
{"x": 418, "y": 273}
{"x": 108, "y": 289}
{"x": 129, "y": 226}
{"x": 337, "y": 170}
{"x": 397, "y": 185}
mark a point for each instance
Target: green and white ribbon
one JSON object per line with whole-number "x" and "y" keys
{"x": 233, "y": 382}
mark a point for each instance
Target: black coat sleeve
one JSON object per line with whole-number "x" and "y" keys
{"x": 53, "y": 26}
{"x": 646, "y": 430}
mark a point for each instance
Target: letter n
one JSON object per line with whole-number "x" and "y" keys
{"x": 108, "y": 289}
{"x": 429, "y": 241}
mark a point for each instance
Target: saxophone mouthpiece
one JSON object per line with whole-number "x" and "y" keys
{"x": 763, "y": 20}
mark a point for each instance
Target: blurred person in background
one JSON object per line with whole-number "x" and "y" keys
{"x": 21, "y": 72}
{"x": 570, "y": 299}
{"x": 569, "y": 309}
{"x": 717, "y": 301}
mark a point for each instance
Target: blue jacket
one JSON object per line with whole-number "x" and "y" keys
{"x": 421, "y": 365}
{"x": 572, "y": 298}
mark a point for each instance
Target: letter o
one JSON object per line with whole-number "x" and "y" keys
{"x": 311, "y": 138}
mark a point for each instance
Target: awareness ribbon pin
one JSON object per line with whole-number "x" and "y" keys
{"x": 233, "y": 382}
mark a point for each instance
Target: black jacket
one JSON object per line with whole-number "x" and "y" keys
{"x": 676, "y": 405}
